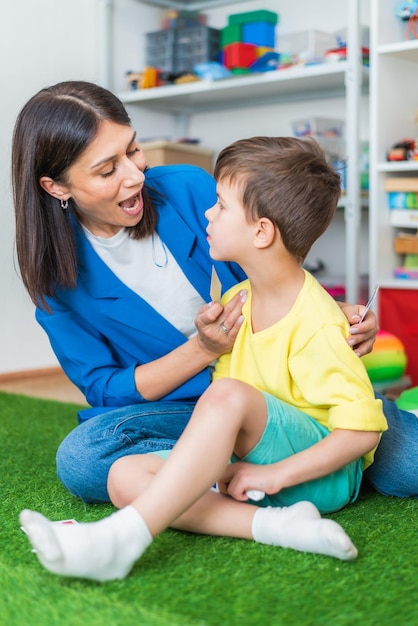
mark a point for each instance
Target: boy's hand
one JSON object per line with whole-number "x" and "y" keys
{"x": 362, "y": 336}
{"x": 239, "y": 478}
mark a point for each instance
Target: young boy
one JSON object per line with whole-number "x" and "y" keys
{"x": 291, "y": 411}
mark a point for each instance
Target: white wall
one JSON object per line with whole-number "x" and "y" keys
{"x": 46, "y": 41}
{"x": 41, "y": 42}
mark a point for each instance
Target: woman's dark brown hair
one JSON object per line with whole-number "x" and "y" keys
{"x": 52, "y": 131}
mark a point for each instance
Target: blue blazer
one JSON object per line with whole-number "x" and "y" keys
{"x": 101, "y": 331}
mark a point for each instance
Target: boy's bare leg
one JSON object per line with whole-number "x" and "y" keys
{"x": 230, "y": 415}
{"x": 299, "y": 526}
{"x": 212, "y": 514}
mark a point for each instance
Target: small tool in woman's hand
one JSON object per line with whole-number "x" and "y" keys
{"x": 369, "y": 304}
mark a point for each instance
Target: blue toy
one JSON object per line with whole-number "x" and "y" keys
{"x": 266, "y": 63}
{"x": 404, "y": 10}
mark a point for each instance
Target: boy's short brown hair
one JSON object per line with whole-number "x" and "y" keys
{"x": 287, "y": 180}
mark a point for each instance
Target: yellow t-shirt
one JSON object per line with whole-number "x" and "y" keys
{"x": 305, "y": 361}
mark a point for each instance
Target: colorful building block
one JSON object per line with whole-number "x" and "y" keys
{"x": 239, "y": 55}
{"x": 254, "y": 16}
{"x": 262, "y": 50}
{"x": 231, "y": 34}
{"x": 260, "y": 33}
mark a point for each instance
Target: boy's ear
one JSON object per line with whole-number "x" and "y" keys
{"x": 265, "y": 233}
{"x": 54, "y": 189}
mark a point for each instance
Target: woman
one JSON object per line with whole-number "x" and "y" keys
{"x": 115, "y": 257}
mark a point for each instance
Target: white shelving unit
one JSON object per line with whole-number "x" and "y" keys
{"x": 393, "y": 102}
{"x": 344, "y": 79}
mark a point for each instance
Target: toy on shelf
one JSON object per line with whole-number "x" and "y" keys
{"x": 340, "y": 54}
{"x": 406, "y": 243}
{"x": 408, "y": 12}
{"x": 150, "y": 77}
{"x": 247, "y": 40}
{"x": 173, "y": 18}
{"x": 329, "y": 133}
{"x": 387, "y": 361}
{"x": 402, "y": 193}
{"x": 405, "y": 10}
{"x": 409, "y": 270}
{"x": 404, "y": 150}
{"x": 412, "y": 27}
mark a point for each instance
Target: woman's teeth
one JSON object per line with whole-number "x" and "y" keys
{"x": 129, "y": 205}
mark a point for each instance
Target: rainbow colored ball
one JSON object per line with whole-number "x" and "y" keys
{"x": 388, "y": 360}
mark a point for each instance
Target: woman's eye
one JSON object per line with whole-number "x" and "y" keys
{"x": 106, "y": 174}
{"x": 132, "y": 152}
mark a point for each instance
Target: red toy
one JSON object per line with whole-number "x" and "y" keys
{"x": 404, "y": 150}
{"x": 239, "y": 55}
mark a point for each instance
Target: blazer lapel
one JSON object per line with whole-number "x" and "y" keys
{"x": 117, "y": 301}
{"x": 185, "y": 249}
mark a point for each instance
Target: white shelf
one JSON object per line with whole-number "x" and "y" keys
{"x": 393, "y": 102}
{"x": 316, "y": 81}
{"x": 398, "y": 283}
{"x": 403, "y": 218}
{"x": 344, "y": 79}
{"x": 406, "y": 50}
{"x": 397, "y": 166}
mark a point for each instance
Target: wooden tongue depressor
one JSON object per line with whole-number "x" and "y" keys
{"x": 215, "y": 287}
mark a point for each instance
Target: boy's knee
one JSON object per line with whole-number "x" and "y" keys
{"x": 130, "y": 475}
{"x": 227, "y": 390}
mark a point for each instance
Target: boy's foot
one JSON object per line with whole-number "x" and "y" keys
{"x": 103, "y": 550}
{"x": 301, "y": 527}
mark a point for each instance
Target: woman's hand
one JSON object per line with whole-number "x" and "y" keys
{"x": 218, "y": 326}
{"x": 363, "y": 335}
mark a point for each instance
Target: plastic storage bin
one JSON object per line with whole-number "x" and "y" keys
{"x": 195, "y": 45}
{"x": 307, "y": 45}
{"x": 318, "y": 127}
{"x": 160, "y": 46}
{"x": 177, "y": 50}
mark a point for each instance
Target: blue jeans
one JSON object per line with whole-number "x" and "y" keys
{"x": 395, "y": 468}
{"x": 85, "y": 456}
{"x": 87, "y": 453}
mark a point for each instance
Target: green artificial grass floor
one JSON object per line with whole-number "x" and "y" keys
{"x": 188, "y": 580}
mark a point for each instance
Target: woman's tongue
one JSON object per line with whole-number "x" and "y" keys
{"x": 131, "y": 205}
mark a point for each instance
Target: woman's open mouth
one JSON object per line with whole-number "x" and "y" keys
{"x": 132, "y": 205}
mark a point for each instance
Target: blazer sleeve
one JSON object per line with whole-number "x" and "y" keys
{"x": 104, "y": 373}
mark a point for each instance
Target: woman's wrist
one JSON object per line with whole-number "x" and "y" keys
{"x": 208, "y": 355}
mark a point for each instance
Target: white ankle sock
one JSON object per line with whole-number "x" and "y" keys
{"x": 301, "y": 527}
{"x": 102, "y": 550}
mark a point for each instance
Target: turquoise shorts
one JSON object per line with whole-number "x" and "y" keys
{"x": 288, "y": 431}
